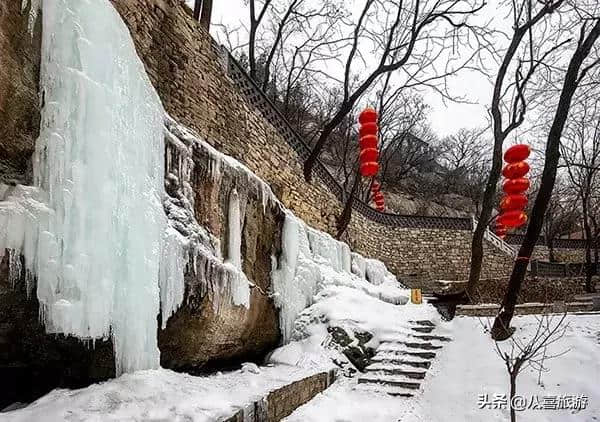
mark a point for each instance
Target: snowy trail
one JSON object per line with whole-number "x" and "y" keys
{"x": 468, "y": 366}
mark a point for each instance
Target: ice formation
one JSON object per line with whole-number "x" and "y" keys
{"x": 311, "y": 259}
{"x": 222, "y": 279}
{"x": 240, "y": 288}
{"x": 295, "y": 277}
{"x": 93, "y": 230}
{"x": 376, "y": 271}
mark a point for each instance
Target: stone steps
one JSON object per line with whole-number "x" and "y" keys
{"x": 432, "y": 337}
{"x": 400, "y": 370}
{"x": 423, "y": 323}
{"x": 418, "y": 345}
{"x": 424, "y": 364}
{"x": 397, "y": 354}
{"x": 400, "y": 364}
{"x": 387, "y": 389}
{"x": 404, "y": 383}
{"x": 420, "y": 329}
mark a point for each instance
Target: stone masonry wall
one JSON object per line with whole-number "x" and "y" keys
{"x": 189, "y": 73}
{"x": 281, "y": 402}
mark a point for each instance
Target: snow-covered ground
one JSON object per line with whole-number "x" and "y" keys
{"x": 160, "y": 395}
{"x": 468, "y": 367}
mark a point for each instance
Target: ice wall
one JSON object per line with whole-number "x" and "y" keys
{"x": 93, "y": 230}
{"x": 311, "y": 259}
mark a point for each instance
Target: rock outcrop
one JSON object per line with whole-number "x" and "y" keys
{"x": 19, "y": 102}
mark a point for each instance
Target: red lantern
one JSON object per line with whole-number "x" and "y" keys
{"x": 368, "y": 129}
{"x": 512, "y": 218}
{"x": 517, "y": 153}
{"x": 368, "y": 141}
{"x": 368, "y": 155}
{"x": 513, "y": 202}
{"x": 501, "y": 232}
{"x": 369, "y": 169}
{"x": 516, "y": 186}
{"x": 375, "y": 186}
{"x": 515, "y": 170}
{"x": 368, "y": 115}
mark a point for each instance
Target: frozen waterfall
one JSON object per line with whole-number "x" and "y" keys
{"x": 94, "y": 232}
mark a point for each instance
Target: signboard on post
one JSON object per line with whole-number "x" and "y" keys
{"x": 415, "y": 296}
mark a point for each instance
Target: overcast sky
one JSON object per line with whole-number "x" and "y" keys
{"x": 444, "y": 118}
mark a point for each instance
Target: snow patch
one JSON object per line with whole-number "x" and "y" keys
{"x": 310, "y": 261}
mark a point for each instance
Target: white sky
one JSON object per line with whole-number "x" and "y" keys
{"x": 444, "y": 118}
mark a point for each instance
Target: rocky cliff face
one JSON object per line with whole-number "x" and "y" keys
{"x": 19, "y": 103}
{"x": 207, "y": 331}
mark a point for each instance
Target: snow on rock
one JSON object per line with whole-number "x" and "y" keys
{"x": 185, "y": 138}
{"x": 250, "y": 367}
{"x": 311, "y": 261}
{"x": 359, "y": 265}
{"x": 376, "y": 272}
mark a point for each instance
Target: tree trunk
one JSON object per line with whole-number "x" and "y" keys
{"x": 346, "y": 216}
{"x": 589, "y": 287}
{"x": 206, "y": 15}
{"x": 310, "y": 162}
{"x": 487, "y": 205}
{"x": 501, "y": 329}
{"x": 197, "y": 8}
{"x": 513, "y": 393}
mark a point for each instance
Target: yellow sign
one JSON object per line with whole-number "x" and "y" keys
{"x": 415, "y": 296}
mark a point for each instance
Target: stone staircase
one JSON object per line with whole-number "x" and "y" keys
{"x": 400, "y": 365}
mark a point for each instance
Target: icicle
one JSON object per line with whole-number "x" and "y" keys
{"x": 295, "y": 277}
{"x": 34, "y": 9}
{"x": 239, "y": 286}
{"x": 359, "y": 265}
{"x": 15, "y": 268}
{"x": 172, "y": 266}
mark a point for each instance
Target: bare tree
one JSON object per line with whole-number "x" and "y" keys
{"x": 579, "y": 66}
{"x": 465, "y": 164}
{"x": 561, "y": 216}
{"x": 309, "y": 30}
{"x": 522, "y": 352}
{"x": 407, "y": 36}
{"x": 511, "y": 100}
{"x": 580, "y": 149}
